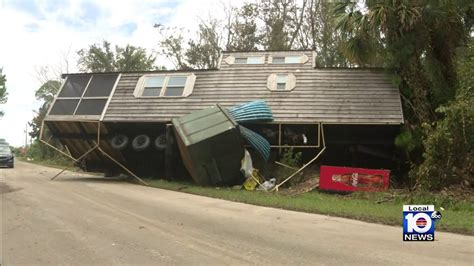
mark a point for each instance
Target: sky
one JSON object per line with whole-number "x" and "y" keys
{"x": 48, "y": 33}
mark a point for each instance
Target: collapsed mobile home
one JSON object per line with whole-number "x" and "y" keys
{"x": 115, "y": 121}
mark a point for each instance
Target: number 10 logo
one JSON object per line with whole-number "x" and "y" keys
{"x": 418, "y": 222}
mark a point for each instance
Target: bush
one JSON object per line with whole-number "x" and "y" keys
{"x": 448, "y": 156}
{"x": 41, "y": 152}
{"x": 293, "y": 159}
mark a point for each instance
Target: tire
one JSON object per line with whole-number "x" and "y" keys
{"x": 160, "y": 142}
{"x": 119, "y": 142}
{"x": 141, "y": 142}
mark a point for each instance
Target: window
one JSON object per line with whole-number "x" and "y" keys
{"x": 255, "y": 60}
{"x": 84, "y": 94}
{"x": 289, "y": 59}
{"x": 64, "y": 107}
{"x": 245, "y": 60}
{"x": 292, "y": 59}
{"x": 240, "y": 60}
{"x": 100, "y": 86}
{"x": 281, "y": 82}
{"x": 278, "y": 60}
{"x": 171, "y": 85}
{"x": 75, "y": 86}
{"x": 153, "y": 86}
{"x": 91, "y": 107}
{"x": 175, "y": 86}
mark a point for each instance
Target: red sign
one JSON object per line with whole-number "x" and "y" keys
{"x": 353, "y": 179}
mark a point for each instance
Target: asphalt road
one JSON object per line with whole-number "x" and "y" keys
{"x": 85, "y": 220}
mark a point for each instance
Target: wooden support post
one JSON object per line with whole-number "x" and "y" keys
{"x": 170, "y": 161}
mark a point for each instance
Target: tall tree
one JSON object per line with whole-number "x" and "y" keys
{"x": 318, "y": 32}
{"x": 98, "y": 58}
{"x": 243, "y": 34}
{"x": 416, "y": 39}
{"x": 45, "y": 93}
{"x": 418, "y": 42}
{"x": 172, "y": 45}
{"x": 283, "y": 20}
{"x": 448, "y": 157}
{"x": 3, "y": 90}
{"x": 203, "y": 52}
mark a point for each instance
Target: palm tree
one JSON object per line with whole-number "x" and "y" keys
{"x": 415, "y": 39}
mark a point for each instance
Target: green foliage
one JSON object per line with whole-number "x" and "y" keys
{"x": 282, "y": 23}
{"x": 47, "y": 91}
{"x": 3, "y": 90}
{"x": 172, "y": 46}
{"x": 292, "y": 159}
{"x": 204, "y": 53}
{"x": 244, "y": 35}
{"x": 37, "y": 121}
{"x": 37, "y": 150}
{"x": 268, "y": 25}
{"x": 102, "y": 59}
{"x": 201, "y": 53}
{"x": 318, "y": 32}
{"x": 40, "y": 152}
{"x": 449, "y": 143}
{"x": 417, "y": 40}
{"x": 449, "y": 148}
{"x": 408, "y": 140}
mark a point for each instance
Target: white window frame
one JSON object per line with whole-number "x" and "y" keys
{"x": 188, "y": 86}
{"x": 272, "y": 82}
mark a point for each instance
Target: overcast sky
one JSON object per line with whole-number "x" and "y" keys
{"x": 36, "y": 33}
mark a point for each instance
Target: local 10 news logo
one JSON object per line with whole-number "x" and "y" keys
{"x": 419, "y": 222}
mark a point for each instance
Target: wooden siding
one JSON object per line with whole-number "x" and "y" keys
{"x": 349, "y": 96}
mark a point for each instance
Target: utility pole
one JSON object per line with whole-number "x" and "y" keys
{"x": 26, "y": 135}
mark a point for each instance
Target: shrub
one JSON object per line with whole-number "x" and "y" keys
{"x": 449, "y": 156}
{"x": 293, "y": 159}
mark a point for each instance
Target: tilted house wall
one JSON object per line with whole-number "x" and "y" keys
{"x": 339, "y": 96}
{"x": 349, "y": 96}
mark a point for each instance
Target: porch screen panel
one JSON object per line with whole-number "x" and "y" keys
{"x": 84, "y": 95}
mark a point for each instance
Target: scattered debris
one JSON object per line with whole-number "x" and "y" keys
{"x": 303, "y": 187}
{"x": 210, "y": 146}
{"x": 210, "y": 142}
{"x": 253, "y": 177}
{"x": 253, "y": 180}
{"x": 267, "y": 185}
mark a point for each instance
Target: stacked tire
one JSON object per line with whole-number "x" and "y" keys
{"x": 139, "y": 143}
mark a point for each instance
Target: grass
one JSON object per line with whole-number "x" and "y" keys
{"x": 61, "y": 164}
{"x": 382, "y": 207}
{"x": 50, "y": 163}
